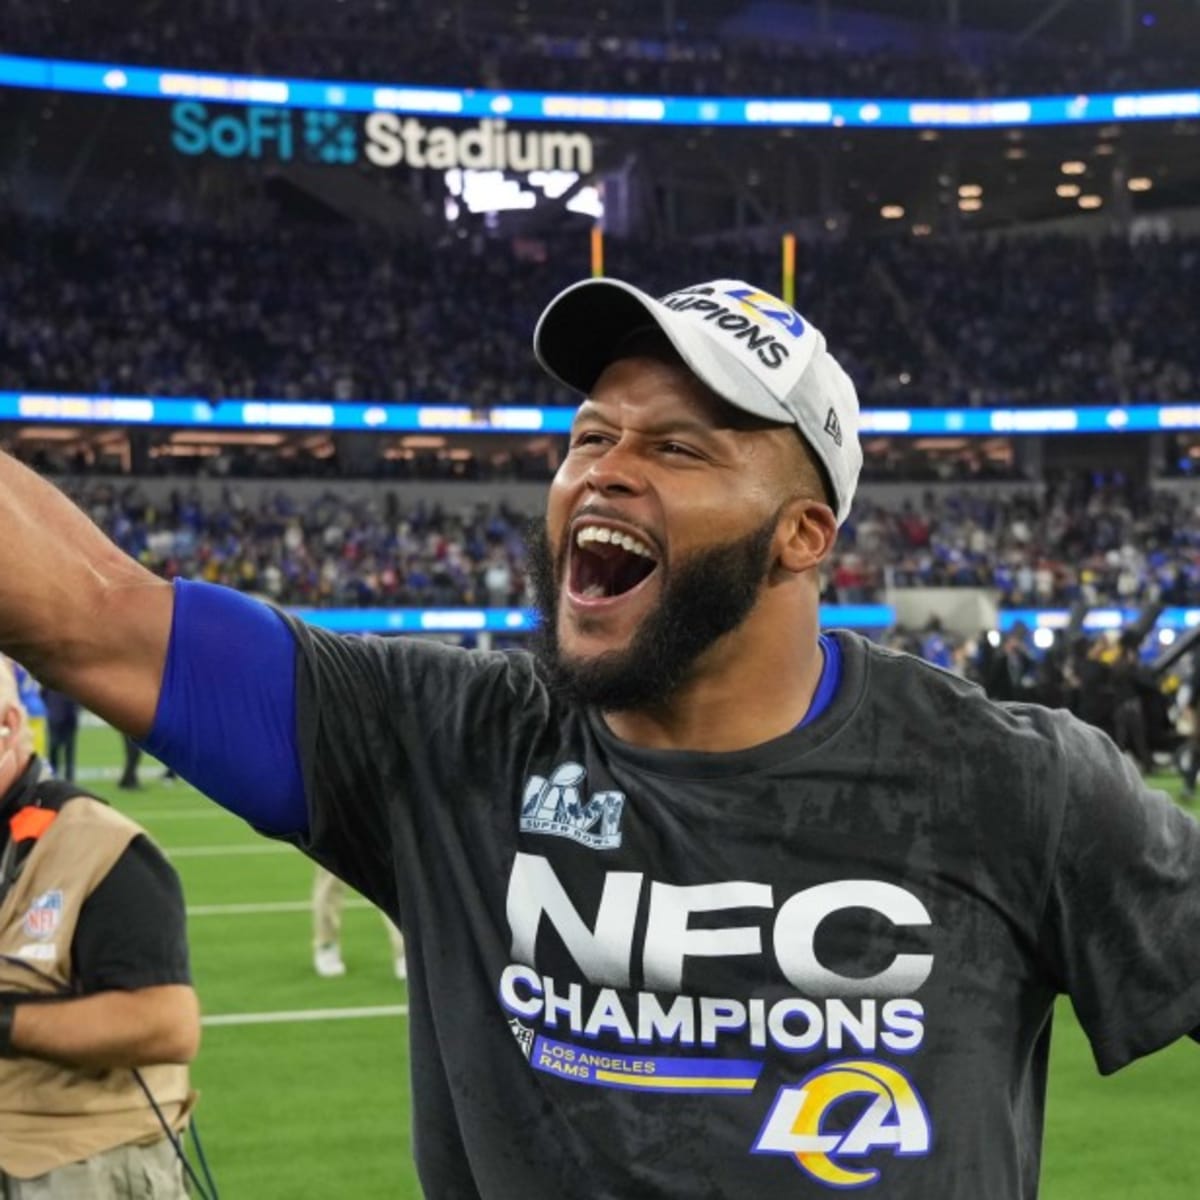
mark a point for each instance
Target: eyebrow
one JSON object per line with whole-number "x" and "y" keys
{"x": 675, "y": 426}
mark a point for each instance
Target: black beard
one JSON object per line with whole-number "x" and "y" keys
{"x": 703, "y": 599}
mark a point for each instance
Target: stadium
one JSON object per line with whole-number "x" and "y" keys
{"x": 270, "y": 277}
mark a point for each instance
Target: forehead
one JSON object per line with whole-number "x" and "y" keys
{"x": 661, "y": 386}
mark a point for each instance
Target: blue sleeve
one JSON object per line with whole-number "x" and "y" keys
{"x": 226, "y": 717}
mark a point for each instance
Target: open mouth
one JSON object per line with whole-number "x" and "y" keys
{"x": 606, "y": 562}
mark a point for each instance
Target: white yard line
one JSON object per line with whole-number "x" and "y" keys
{"x": 306, "y": 1014}
{"x": 271, "y": 906}
{"x": 83, "y": 774}
{"x": 213, "y": 814}
{"x": 220, "y": 851}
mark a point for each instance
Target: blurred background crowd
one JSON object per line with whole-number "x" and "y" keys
{"x": 174, "y": 310}
{"x": 707, "y": 48}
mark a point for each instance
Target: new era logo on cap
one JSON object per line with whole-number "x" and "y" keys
{"x": 833, "y": 426}
{"x": 749, "y": 347}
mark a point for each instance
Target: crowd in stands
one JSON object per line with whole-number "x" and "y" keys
{"x": 1102, "y": 545}
{"x": 298, "y": 313}
{"x": 329, "y": 552}
{"x": 621, "y": 47}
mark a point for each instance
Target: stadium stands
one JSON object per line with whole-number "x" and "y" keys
{"x": 620, "y": 48}
{"x": 315, "y": 314}
{"x": 1102, "y": 544}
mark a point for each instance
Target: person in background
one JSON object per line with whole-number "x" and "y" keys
{"x": 1011, "y": 671}
{"x": 1132, "y": 685}
{"x": 133, "y": 755}
{"x": 329, "y": 898}
{"x": 97, "y": 1011}
{"x": 62, "y": 723}
{"x": 936, "y": 647}
{"x": 30, "y": 693}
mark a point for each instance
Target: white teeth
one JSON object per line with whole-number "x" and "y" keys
{"x": 595, "y": 592}
{"x": 601, "y": 533}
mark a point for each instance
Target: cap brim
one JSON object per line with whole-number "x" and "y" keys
{"x": 583, "y": 328}
{"x": 579, "y": 333}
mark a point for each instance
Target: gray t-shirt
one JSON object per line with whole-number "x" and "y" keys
{"x": 826, "y": 962}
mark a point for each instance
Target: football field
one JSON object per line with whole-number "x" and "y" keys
{"x": 304, "y": 1081}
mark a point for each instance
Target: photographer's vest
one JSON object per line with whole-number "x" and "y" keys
{"x": 52, "y": 1115}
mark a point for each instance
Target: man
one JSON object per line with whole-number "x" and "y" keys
{"x": 700, "y": 901}
{"x": 62, "y": 722}
{"x": 1134, "y": 686}
{"x": 96, "y": 1010}
{"x": 329, "y": 898}
{"x": 1011, "y": 673}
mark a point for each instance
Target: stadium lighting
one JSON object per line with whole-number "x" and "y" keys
{"x": 970, "y": 204}
{"x": 588, "y": 202}
{"x": 1090, "y": 201}
{"x": 1043, "y": 638}
{"x": 970, "y": 191}
{"x": 892, "y": 212}
{"x": 553, "y": 183}
{"x": 1074, "y": 167}
{"x": 1068, "y": 191}
{"x": 1166, "y": 637}
{"x": 1140, "y": 183}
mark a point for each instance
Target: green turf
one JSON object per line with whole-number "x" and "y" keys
{"x": 321, "y": 1108}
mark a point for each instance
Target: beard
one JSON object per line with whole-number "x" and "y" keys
{"x": 703, "y": 599}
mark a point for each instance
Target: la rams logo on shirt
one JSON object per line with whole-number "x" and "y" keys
{"x": 877, "y": 1109}
{"x": 44, "y": 916}
{"x": 763, "y": 304}
{"x": 558, "y": 806}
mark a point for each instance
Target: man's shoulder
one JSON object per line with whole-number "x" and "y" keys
{"x": 956, "y": 710}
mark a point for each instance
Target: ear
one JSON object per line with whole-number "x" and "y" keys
{"x": 807, "y": 534}
{"x": 10, "y": 724}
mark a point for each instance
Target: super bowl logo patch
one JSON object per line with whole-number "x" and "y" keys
{"x": 560, "y": 807}
{"x": 44, "y": 916}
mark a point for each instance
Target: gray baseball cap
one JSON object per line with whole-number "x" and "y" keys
{"x": 749, "y": 347}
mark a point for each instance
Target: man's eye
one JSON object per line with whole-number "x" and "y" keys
{"x": 678, "y": 448}
{"x": 589, "y": 439}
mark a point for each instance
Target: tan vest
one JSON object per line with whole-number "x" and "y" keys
{"x": 51, "y": 1115}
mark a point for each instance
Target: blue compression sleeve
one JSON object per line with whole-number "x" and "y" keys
{"x": 226, "y": 717}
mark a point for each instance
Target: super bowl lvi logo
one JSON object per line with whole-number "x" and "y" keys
{"x": 558, "y": 806}
{"x": 890, "y": 1116}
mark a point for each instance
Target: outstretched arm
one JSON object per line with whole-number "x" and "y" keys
{"x": 80, "y": 614}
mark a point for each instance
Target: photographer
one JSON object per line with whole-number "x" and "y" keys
{"x": 97, "y": 1012}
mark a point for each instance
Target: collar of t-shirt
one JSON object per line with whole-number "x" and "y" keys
{"x": 831, "y": 677}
